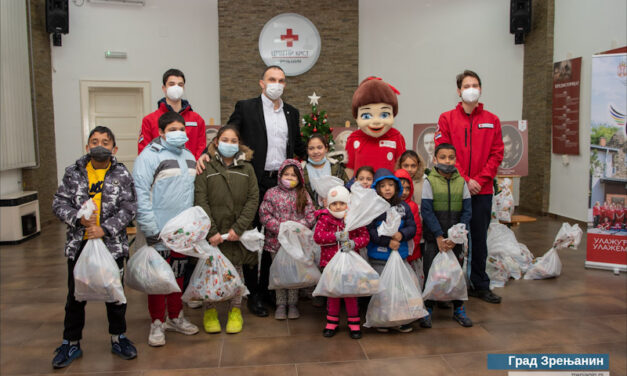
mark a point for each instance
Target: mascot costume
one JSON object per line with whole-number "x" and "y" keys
{"x": 376, "y": 143}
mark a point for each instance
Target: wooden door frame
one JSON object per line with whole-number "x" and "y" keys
{"x": 87, "y": 85}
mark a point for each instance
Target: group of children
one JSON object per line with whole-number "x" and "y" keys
{"x": 164, "y": 183}
{"x": 610, "y": 216}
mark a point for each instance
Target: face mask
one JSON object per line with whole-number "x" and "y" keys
{"x": 338, "y": 214}
{"x": 289, "y": 184}
{"x": 445, "y": 169}
{"x": 176, "y": 138}
{"x": 227, "y": 150}
{"x": 174, "y": 93}
{"x": 319, "y": 163}
{"x": 274, "y": 91}
{"x": 100, "y": 154}
{"x": 470, "y": 95}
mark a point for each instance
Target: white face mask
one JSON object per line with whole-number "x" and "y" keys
{"x": 338, "y": 214}
{"x": 470, "y": 95}
{"x": 274, "y": 91}
{"x": 174, "y": 93}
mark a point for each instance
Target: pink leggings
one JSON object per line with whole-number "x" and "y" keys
{"x": 333, "y": 312}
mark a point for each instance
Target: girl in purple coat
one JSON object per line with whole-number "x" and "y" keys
{"x": 289, "y": 201}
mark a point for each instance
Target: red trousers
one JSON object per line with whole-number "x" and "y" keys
{"x": 157, "y": 303}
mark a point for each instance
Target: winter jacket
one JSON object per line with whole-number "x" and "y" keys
{"x": 378, "y": 248}
{"x": 324, "y": 235}
{"x": 378, "y": 152}
{"x": 337, "y": 170}
{"x": 117, "y": 209}
{"x": 402, "y": 174}
{"x": 194, "y": 127}
{"x": 230, "y": 196}
{"x": 279, "y": 205}
{"x": 164, "y": 181}
{"x": 478, "y": 143}
{"x": 445, "y": 202}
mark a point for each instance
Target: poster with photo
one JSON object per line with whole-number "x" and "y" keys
{"x": 211, "y": 131}
{"x": 424, "y": 142}
{"x": 566, "y": 88}
{"x": 607, "y": 228}
{"x": 340, "y": 137}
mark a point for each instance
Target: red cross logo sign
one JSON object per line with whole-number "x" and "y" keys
{"x": 289, "y": 37}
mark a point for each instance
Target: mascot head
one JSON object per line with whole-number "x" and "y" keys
{"x": 374, "y": 106}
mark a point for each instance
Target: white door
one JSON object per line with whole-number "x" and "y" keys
{"x": 121, "y": 110}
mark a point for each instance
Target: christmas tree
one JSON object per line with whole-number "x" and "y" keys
{"x": 316, "y": 123}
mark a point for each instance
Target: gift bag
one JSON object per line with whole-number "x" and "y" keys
{"x": 348, "y": 275}
{"x": 148, "y": 272}
{"x": 97, "y": 276}
{"x": 392, "y": 222}
{"x": 502, "y": 242}
{"x": 183, "y": 231}
{"x": 504, "y": 201}
{"x": 568, "y": 236}
{"x": 400, "y": 302}
{"x": 323, "y": 185}
{"x": 293, "y": 266}
{"x": 214, "y": 279}
{"x": 417, "y": 271}
{"x": 364, "y": 206}
{"x": 446, "y": 279}
{"x": 547, "y": 266}
{"x": 252, "y": 240}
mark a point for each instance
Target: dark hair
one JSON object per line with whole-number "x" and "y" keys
{"x": 396, "y": 199}
{"x": 464, "y": 74}
{"x": 364, "y": 168}
{"x": 409, "y": 154}
{"x": 228, "y": 127}
{"x": 320, "y": 137}
{"x": 172, "y": 72}
{"x": 443, "y": 147}
{"x": 271, "y": 67}
{"x": 102, "y": 129}
{"x": 169, "y": 118}
{"x": 302, "y": 197}
{"x": 374, "y": 90}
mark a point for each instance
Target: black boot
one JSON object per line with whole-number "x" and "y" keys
{"x": 256, "y": 307}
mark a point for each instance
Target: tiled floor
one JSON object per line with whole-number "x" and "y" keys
{"x": 582, "y": 311}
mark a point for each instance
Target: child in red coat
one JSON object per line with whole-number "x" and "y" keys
{"x": 408, "y": 194}
{"x": 331, "y": 236}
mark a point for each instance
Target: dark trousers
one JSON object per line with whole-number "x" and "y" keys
{"x": 75, "y": 311}
{"x": 429, "y": 252}
{"x": 257, "y": 283}
{"x": 479, "y": 224}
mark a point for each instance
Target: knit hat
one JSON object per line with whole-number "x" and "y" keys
{"x": 338, "y": 193}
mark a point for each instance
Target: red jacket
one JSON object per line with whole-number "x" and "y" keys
{"x": 479, "y": 147}
{"x": 402, "y": 174}
{"x": 194, "y": 127}
{"x": 324, "y": 235}
{"x": 596, "y": 210}
{"x": 377, "y": 152}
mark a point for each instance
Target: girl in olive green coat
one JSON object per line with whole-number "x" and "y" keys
{"x": 318, "y": 165}
{"x": 227, "y": 190}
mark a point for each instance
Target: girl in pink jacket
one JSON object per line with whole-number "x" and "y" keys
{"x": 288, "y": 201}
{"x": 331, "y": 237}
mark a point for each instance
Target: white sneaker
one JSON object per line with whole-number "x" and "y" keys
{"x": 181, "y": 325}
{"x": 157, "y": 334}
{"x": 194, "y": 304}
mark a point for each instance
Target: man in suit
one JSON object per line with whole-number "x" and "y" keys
{"x": 271, "y": 128}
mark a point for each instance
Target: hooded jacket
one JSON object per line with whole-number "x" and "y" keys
{"x": 194, "y": 127}
{"x": 478, "y": 143}
{"x": 324, "y": 235}
{"x": 229, "y": 195}
{"x": 378, "y": 248}
{"x": 279, "y": 205}
{"x": 164, "y": 182}
{"x": 402, "y": 174}
{"x": 117, "y": 209}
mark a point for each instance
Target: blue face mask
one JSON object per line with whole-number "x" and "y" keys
{"x": 176, "y": 139}
{"x": 320, "y": 162}
{"x": 227, "y": 150}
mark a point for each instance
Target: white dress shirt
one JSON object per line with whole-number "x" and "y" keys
{"x": 276, "y": 129}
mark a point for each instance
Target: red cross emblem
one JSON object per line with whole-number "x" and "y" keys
{"x": 289, "y": 37}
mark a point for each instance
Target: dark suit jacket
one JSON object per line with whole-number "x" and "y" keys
{"x": 248, "y": 117}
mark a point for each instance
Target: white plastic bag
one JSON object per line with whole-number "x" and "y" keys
{"x": 502, "y": 242}
{"x": 293, "y": 267}
{"x": 400, "y": 302}
{"x": 252, "y": 240}
{"x": 97, "y": 276}
{"x": 348, "y": 275}
{"x": 148, "y": 272}
{"x": 214, "y": 279}
{"x": 446, "y": 279}
{"x": 392, "y": 222}
{"x": 417, "y": 267}
{"x": 504, "y": 201}
{"x": 364, "y": 206}
{"x": 458, "y": 234}
{"x": 87, "y": 209}
{"x": 568, "y": 236}
{"x": 323, "y": 185}
{"x": 183, "y": 231}
{"x": 547, "y": 266}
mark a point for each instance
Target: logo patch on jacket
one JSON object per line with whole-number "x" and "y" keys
{"x": 191, "y": 124}
{"x": 387, "y": 144}
{"x": 485, "y": 125}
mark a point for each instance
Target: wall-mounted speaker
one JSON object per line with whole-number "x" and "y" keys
{"x": 520, "y": 19}
{"x": 57, "y": 19}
